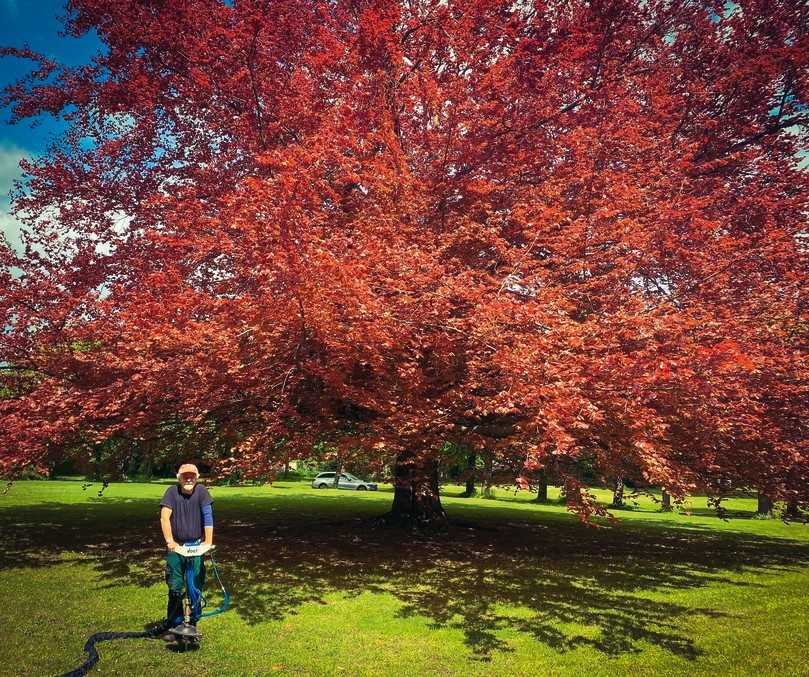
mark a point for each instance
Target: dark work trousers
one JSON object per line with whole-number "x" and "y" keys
{"x": 176, "y": 567}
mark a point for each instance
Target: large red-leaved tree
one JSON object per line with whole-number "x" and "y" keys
{"x": 539, "y": 229}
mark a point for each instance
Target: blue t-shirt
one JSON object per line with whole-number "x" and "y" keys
{"x": 186, "y": 512}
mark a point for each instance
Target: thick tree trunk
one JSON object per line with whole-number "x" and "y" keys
{"x": 665, "y": 502}
{"x": 542, "y": 490}
{"x": 471, "y": 462}
{"x": 416, "y": 501}
{"x": 764, "y": 505}
{"x": 791, "y": 511}
{"x": 618, "y": 493}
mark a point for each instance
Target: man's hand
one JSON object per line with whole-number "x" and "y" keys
{"x": 207, "y": 542}
{"x": 171, "y": 545}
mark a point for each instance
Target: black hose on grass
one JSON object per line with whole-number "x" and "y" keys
{"x": 90, "y": 648}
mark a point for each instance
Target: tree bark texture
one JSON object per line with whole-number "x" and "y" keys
{"x": 618, "y": 493}
{"x": 791, "y": 510}
{"x": 471, "y": 461}
{"x": 542, "y": 488}
{"x": 764, "y": 504}
{"x": 665, "y": 502}
{"x": 416, "y": 500}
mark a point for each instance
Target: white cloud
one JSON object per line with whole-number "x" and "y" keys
{"x": 10, "y": 228}
{"x": 10, "y": 156}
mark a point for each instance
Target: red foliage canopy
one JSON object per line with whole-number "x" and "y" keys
{"x": 391, "y": 224}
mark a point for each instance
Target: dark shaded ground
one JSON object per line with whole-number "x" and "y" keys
{"x": 557, "y": 570}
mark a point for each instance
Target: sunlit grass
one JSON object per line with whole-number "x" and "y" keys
{"x": 512, "y": 588}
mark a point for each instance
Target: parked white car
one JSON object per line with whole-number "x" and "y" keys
{"x": 325, "y": 480}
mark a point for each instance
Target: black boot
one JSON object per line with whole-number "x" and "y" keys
{"x": 174, "y": 609}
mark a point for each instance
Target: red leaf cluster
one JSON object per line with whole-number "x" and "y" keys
{"x": 545, "y": 230}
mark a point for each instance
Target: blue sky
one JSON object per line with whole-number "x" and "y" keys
{"x": 35, "y": 23}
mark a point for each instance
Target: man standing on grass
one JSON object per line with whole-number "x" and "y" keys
{"x": 186, "y": 516}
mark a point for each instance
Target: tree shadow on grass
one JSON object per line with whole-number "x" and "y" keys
{"x": 561, "y": 583}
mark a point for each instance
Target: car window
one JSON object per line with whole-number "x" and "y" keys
{"x": 326, "y": 474}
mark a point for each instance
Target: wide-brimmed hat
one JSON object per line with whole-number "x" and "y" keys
{"x": 188, "y": 467}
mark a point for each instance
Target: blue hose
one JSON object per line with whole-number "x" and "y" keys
{"x": 225, "y": 596}
{"x": 196, "y": 598}
{"x": 197, "y": 603}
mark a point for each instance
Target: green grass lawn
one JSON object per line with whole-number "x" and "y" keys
{"x": 512, "y": 588}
